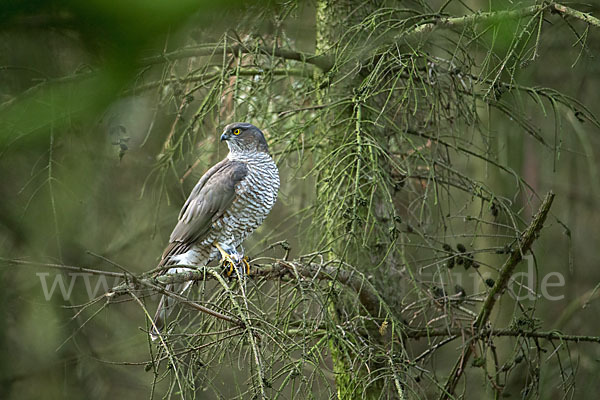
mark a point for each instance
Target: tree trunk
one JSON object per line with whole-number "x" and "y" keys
{"x": 333, "y": 18}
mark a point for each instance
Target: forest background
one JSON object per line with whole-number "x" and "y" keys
{"x": 424, "y": 147}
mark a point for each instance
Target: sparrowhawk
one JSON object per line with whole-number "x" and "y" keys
{"x": 227, "y": 204}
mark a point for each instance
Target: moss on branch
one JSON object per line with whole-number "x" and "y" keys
{"x": 495, "y": 17}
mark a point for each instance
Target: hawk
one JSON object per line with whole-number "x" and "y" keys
{"x": 227, "y": 204}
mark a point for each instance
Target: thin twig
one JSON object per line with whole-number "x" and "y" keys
{"x": 65, "y": 267}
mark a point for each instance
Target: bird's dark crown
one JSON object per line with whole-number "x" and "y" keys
{"x": 243, "y": 136}
{"x": 240, "y": 125}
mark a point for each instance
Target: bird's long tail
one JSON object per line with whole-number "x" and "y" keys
{"x": 167, "y": 305}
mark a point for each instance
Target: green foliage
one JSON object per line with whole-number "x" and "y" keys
{"x": 413, "y": 141}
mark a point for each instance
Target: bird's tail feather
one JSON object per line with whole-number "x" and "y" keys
{"x": 165, "y": 307}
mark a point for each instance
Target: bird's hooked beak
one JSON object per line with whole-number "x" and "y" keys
{"x": 225, "y": 135}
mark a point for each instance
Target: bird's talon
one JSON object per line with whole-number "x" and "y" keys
{"x": 233, "y": 263}
{"x": 229, "y": 268}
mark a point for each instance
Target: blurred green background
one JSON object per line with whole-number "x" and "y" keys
{"x": 98, "y": 150}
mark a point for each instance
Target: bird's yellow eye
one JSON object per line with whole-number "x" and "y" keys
{"x": 237, "y": 131}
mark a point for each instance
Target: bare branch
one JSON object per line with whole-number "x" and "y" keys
{"x": 456, "y": 333}
{"x": 207, "y": 77}
{"x": 65, "y": 267}
{"x": 323, "y": 62}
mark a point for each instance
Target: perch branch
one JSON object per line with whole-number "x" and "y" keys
{"x": 279, "y": 268}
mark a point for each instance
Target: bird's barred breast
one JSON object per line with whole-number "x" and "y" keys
{"x": 255, "y": 196}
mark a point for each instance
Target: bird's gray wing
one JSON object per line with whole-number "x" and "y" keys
{"x": 209, "y": 199}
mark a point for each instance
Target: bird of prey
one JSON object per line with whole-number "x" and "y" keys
{"x": 227, "y": 204}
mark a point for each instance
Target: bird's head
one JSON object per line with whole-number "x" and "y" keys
{"x": 244, "y": 137}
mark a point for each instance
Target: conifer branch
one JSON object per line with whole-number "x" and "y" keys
{"x": 494, "y": 17}
{"x": 524, "y": 245}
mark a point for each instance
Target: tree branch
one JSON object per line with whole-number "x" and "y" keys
{"x": 571, "y": 12}
{"x": 280, "y": 268}
{"x": 499, "y": 287}
{"x": 548, "y": 335}
{"x": 352, "y": 279}
{"x": 323, "y": 62}
{"x": 246, "y": 71}
{"x": 509, "y": 266}
{"x": 496, "y": 16}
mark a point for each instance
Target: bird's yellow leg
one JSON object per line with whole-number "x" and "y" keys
{"x": 246, "y": 265}
{"x": 226, "y": 260}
